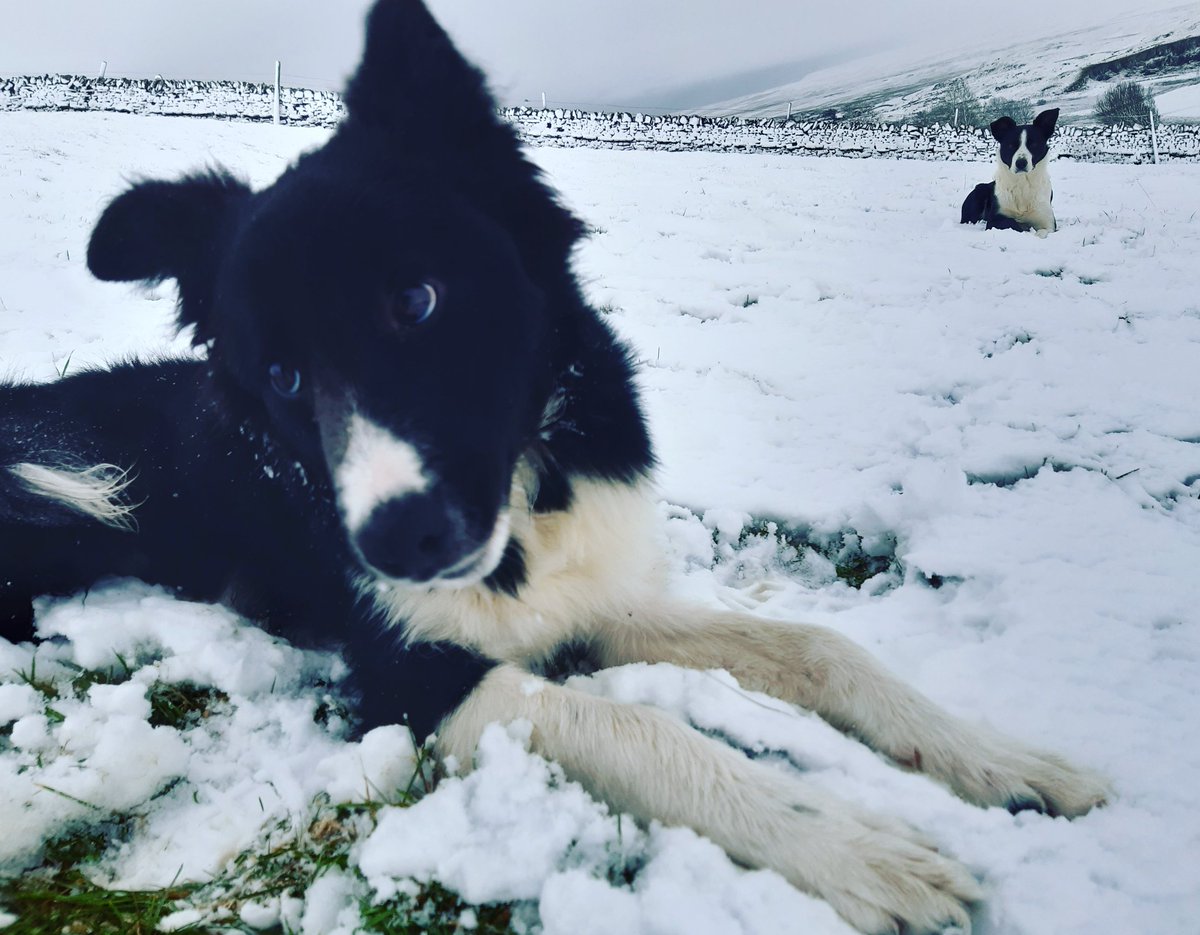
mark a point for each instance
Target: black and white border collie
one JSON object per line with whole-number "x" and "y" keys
{"x": 1020, "y": 196}
{"x": 411, "y": 437}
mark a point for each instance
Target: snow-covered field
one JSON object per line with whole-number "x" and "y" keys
{"x": 1008, "y": 425}
{"x": 1179, "y": 103}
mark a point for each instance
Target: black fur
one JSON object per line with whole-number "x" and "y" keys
{"x": 302, "y": 286}
{"x": 510, "y": 574}
{"x": 574, "y": 658}
{"x": 981, "y": 205}
{"x": 221, "y": 513}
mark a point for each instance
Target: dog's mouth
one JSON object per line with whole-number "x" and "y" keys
{"x": 477, "y": 566}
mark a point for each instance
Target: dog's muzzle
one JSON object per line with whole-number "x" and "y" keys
{"x": 414, "y": 538}
{"x": 426, "y": 539}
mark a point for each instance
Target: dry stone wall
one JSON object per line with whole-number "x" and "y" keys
{"x": 238, "y": 100}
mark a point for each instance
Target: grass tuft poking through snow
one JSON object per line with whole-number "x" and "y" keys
{"x": 263, "y": 888}
{"x": 274, "y": 884}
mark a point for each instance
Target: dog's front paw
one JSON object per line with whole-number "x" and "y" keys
{"x": 890, "y": 884}
{"x": 878, "y": 873}
{"x": 995, "y": 770}
{"x": 749, "y": 598}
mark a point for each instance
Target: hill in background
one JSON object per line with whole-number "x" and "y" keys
{"x": 1070, "y": 70}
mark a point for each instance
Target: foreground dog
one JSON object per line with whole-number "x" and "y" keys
{"x": 1020, "y": 197}
{"x": 412, "y": 438}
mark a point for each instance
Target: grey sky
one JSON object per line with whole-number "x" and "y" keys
{"x": 618, "y": 52}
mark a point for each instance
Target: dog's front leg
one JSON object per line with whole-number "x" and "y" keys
{"x": 880, "y": 875}
{"x": 832, "y": 676}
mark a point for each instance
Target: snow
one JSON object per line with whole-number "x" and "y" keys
{"x": 1039, "y": 66}
{"x": 1009, "y": 417}
{"x": 1179, "y": 103}
{"x": 496, "y": 834}
{"x": 570, "y": 128}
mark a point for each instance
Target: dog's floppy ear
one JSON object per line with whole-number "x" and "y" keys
{"x": 1046, "y": 120}
{"x": 169, "y": 230}
{"x": 1002, "y": 126}
{"x": 416, "y": 87}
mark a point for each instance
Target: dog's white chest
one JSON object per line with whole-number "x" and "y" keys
{"x": 595, "y": 561}
{"x": 1025, "y": 196}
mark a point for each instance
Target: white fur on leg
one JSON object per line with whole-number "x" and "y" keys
{"x": 95, "y": 491}
{"x": 645, "y": 763}
{"x": 830, "y": 675}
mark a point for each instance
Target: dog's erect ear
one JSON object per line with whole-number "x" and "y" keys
{"x": 412, "y": 77}
{"x": 169, "y": 230}
{"x": 1002, "y": 126}
{"x": 415, "y": 87}
{"x": 1046, "y": 120}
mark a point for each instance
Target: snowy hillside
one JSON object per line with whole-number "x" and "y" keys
{"x": 1053, "y": 69}
{"x": 977, "y": 454}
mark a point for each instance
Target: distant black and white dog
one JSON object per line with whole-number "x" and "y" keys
{"x": 1020, "y": 197}
{"x": 412, "y": 438}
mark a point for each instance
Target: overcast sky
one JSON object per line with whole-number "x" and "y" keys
{"x": 616, "y": 52}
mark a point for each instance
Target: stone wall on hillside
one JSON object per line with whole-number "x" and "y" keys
{"x": 239, "y": 100}
{"x": 833, "y": 138}
{"x": 227, "y": 100}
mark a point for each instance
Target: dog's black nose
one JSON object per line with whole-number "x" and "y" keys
{"x": 1022, "y": 164}
{"x": 413, "y": 538}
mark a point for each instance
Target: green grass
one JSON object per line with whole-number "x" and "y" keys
{"x": 172, "y": 704}
{"x": 434, "y": 911}
{"x": 182, "y": 705}
{"x": 58, "y": 898}
{"x": 859, "y": 568}
{"x": 60, "y": 895}
{"x": 851, "y": 563}
{"x": 68, "y": 903}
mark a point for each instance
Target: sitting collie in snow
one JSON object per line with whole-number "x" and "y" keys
{"x": 412, "y": 439}
{"x": 1020, "y": 196}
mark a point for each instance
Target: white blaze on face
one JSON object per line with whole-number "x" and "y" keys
{"x": 377, "y": 467}
{"x": 1022, "y": 153}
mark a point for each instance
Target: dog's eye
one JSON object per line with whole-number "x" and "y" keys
{"x": 285, "y": 380}
{"x": 417, "y": 305}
